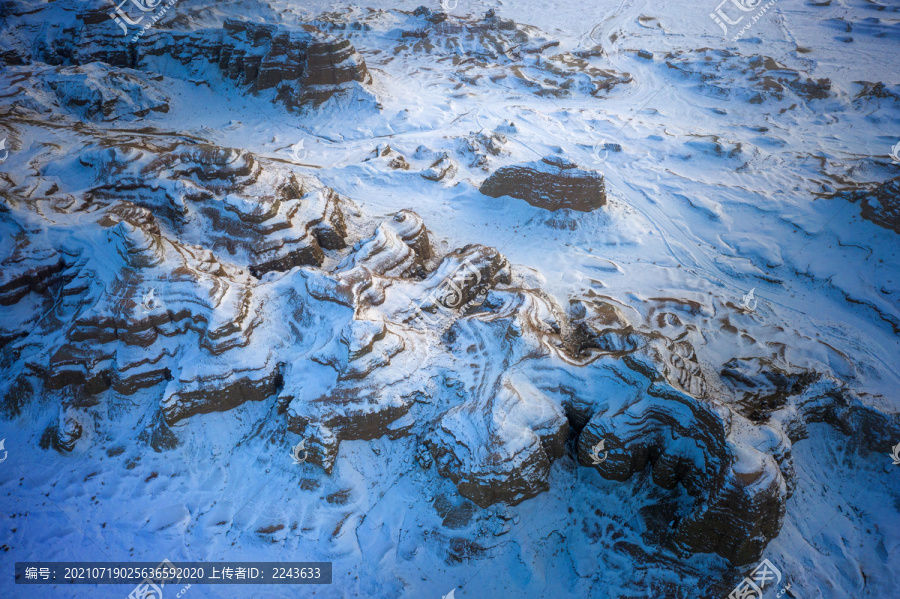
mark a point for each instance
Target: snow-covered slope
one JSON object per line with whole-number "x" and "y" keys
{"x": 562, "y": 300}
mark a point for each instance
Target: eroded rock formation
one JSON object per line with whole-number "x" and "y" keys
{"x": 304, "y": 66}
{"x": 880, "y": 204}
{"x": 554, "y": 183}
{"x": 193, "y": 277}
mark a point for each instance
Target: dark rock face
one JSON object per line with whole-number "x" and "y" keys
{"x": 553, "y": 184}
{"x": 686, "y": 443}
{"x": 203, "y": 396}
{"x": 334, "y": 62}
{"x": 305, "y": 66}
{"x": 881, "y": 205}
{"x": 500, "y": 451}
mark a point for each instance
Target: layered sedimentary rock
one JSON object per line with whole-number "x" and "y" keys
{"x": 303, "y": 65}
{"x": 688, "y": 442}
{"x": 258, "y": 213}
{"x": 194, "y": 278}
{"x": 554, "y": 183}
{"x": 92, "y": 92}
{"x": 367, "y": 371}
{"x": 492, "y": 47}
{"x": 499, "y": 449}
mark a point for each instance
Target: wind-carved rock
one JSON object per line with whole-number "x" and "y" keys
{"x": 787, "y": 398}
{"x": 334, "y": 62}
{"x": 499, "y": 447}
{"x": 399, "y": 248}
{"x": 303, "y": 66}
{"x": 91, "y": 92}
{"x": 553, "y": 183}
{"x": 385, "y": 338}
{"x": 739, "y": 493}
{"x": 261, "y": 215}
{"x": 365, "y": 374}
{"x": 494, "y": 47}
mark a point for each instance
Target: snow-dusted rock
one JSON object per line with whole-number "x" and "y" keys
{"x": 553, "y": 183}
{"x": 498, "y": 449}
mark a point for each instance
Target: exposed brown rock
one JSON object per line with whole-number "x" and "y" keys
{"x": 881, "y": 204}
{"x": 553, "y": 184}
{"x": 499, "y": 449}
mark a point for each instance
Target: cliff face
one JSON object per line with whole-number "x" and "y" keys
{"x": 303, "y": 65}
{"x": 553, "y": 183}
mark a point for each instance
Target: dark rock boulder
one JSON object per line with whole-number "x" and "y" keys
{"x": 553, "y": 183}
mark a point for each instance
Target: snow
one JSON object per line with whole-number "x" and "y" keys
{"x": 713, "y": 194}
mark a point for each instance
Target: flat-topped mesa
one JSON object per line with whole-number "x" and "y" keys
{"x": 553, "y": 183}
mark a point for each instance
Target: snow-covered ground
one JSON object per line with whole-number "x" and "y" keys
{"x": 723, "y": 181}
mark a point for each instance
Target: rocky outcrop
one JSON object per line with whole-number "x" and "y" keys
{"x": 688, "y": 443}
{"x": 553, "y": 183}
{"x": 754, "y": 78}
{"x": 369, "y": 365}
{"x": 393, "y": 338}
{"x": 304, "y": 66}
{"x": 202, "y": 279}
{"x": 92, "y": 92}
{"x": 494, "y": 48}
{"x": 333, "y": 62}
{"x": 499, "y": 450}
{"x": 880, "y": 204}
{"x": 790, "y": 398}
{"x": 260, "y": 214}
